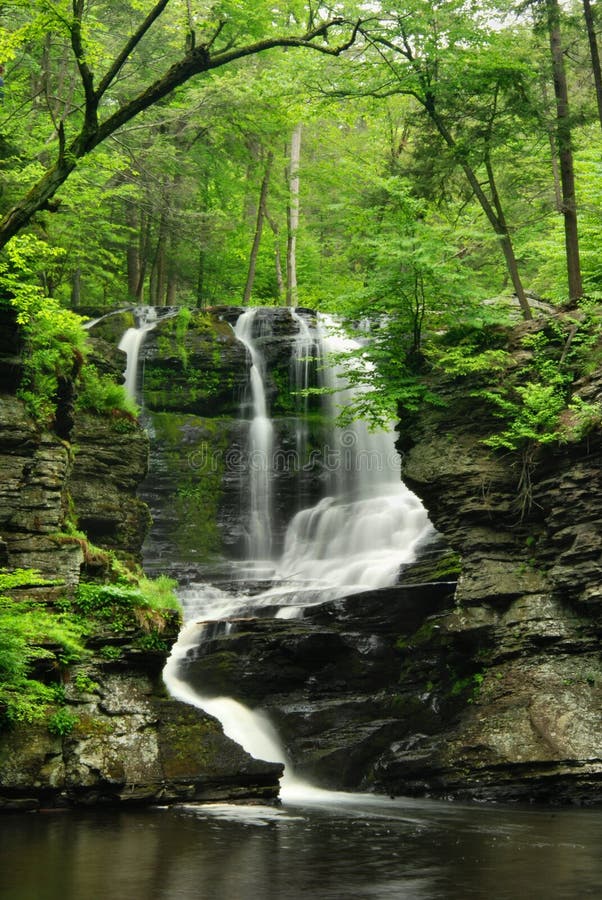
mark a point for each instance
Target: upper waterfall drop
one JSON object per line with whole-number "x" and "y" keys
{"x": 132, "y": 339}
{"x": 260, "y": 450}
{"x": 131, "y": 343}
{"x": 302, "y": 366}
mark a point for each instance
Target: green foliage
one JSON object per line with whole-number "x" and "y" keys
{"x": 85, "y": 684}
{"x": 581, "y": 419}
{"x": 62, "y": 722}
{"x": 533, "y": 415}
{"x": 462, "y": 360}
{"x": 56, "y": 344}
{"x": 30, "y": 634}
{"x": 468, "y": 687}
{"x": 32, "y": 637}
{"x": 110, "y": 652}
{"x": 98, "y": 393}
{"x": 25, "y": 265}
{"x": 152, "y": 641}
{"x": 144, "y": 603}
{"x": 533, "y": 400}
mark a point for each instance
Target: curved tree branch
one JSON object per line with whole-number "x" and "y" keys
{"x": 197, "y": 61}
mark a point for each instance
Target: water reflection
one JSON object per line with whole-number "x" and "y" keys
{"x": 373, "y": 848}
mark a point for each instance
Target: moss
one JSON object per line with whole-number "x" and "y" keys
{"x": 114, "y": 325}
{"x": 448, "y": 566}
{"x": 193, "y": 368}
{"x": 284, "y": 403}
{"x": 92, "y": 726}
{"x": 422, "y": 636}
{"x": 195, "y": 451}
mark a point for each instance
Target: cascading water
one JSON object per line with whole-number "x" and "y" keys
{"x": 133, "y": 339}
{"x": 261, "y": 440}
{"x": 302, "y": 364}
{"x": 131, "y": 343}
{"x": 354, "y": 539}
{"x": 357, "y": 537}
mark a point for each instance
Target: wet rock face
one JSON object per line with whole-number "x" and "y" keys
{"x": 108, "y": 467}
{"x": 330, "y": 682}
{"x": 527, "y": 613}
{"x": 130, "y": 743}
{"x": 34, "y": 468}
{"x": 196, "y": 367}
{"x": 196, "y": 398}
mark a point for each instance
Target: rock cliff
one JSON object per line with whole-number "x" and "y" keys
{"x": 126, "y": 740}
{"x": 477, "y": 676}
{"x": 194, "y": 393}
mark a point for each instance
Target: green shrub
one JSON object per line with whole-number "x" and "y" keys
{"x": 98, "y": 393}
{"x": 56, "y": 345}
{"x": 85, "y": 684}
{"x": 62, "y": 722}
{"x": 30, "y": 634}
{"x": 144, "y": 602}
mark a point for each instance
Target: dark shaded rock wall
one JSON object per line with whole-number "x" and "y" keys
{"x": 528, "y": 530}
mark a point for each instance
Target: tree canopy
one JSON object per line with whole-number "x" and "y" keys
{"x": 400, "y": 163}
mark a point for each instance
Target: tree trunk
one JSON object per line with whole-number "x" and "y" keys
{"x": 157, "y": 278}
{"x": 491, "y": 208}
{"x": 172, "y": 289}
{"x": 76, "y": 288}
{"x": 263, "y": 196}
{"x": 553, "y": 150}
{"x": 277, "y": 257}
{"x": 204, "y": 233}
{"x": 565, "y": 152}
{"x": 293, "y": 217}
{"x": 133, "y": 250}
{"x": 143, "y": 256}
{"x": 594, "y": 53}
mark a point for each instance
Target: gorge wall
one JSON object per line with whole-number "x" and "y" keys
{"x": 477, "y": 676}
{"x": 528, "y": 529}
{"x": 127, "y": 741}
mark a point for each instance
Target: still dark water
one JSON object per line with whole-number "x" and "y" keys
{"x": 409, "y": 849}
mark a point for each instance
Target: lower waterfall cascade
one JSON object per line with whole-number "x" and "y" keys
{"x": 355, "y": 538}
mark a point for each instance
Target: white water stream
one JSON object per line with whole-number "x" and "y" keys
{"x": 352, "y": 540}
{"x": 133, "y": 338}
{"x": 261, "y": 441}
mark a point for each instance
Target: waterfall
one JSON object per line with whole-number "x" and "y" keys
{"x": 130, "y": 343}
{"x": 303, "y": 357}
{"x": 261, "y": 438}
{"x": 359, "y": 535}
{"x": 133, "y": 338}
{"x": 355, "y": 538}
